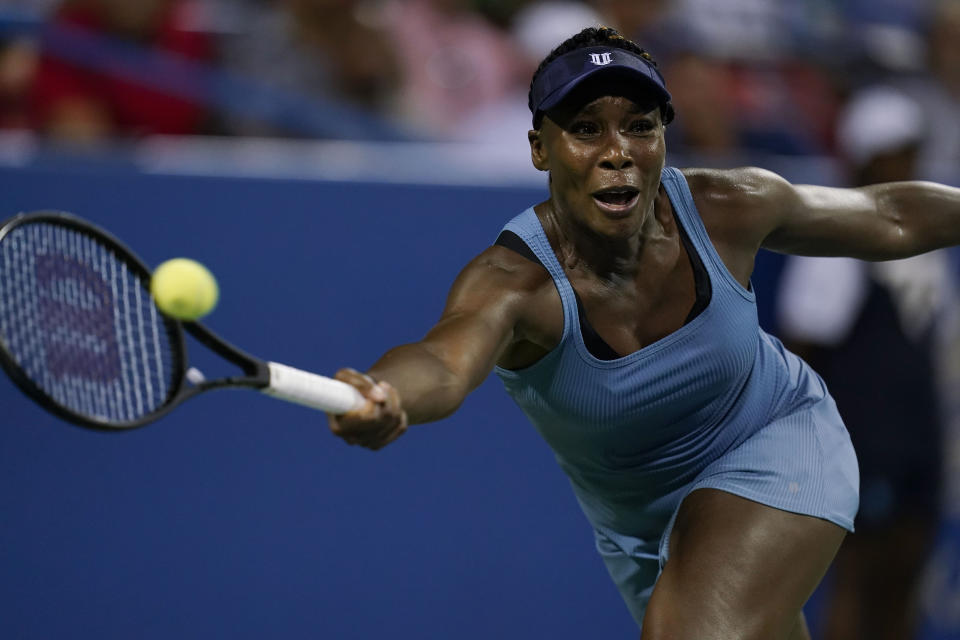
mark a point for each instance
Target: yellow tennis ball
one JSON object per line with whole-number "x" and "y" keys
{"x": 184, "y": 289}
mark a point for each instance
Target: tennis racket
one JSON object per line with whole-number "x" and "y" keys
{"x": 81, "y": 335}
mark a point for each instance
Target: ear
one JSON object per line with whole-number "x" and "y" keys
{"x": 538, "y": 153}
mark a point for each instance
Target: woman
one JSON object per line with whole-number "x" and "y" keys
{"x": 711, "y": 462}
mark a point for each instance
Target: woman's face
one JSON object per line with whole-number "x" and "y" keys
{"x": 604, "y": 159}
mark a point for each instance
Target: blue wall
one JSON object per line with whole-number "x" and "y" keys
{"x": 240, "y": 516}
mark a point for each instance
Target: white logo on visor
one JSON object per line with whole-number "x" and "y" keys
{"x": 600, "y": 58}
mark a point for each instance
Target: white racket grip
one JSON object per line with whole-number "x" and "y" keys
{"x": 312, "y": 390}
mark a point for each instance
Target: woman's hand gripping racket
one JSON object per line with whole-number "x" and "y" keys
{"x": 81, "y": 335}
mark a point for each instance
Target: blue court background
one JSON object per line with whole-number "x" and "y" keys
{"x": 239, "y": 516}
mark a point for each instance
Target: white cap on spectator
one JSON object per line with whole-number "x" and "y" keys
{"x": 541, "y": 26}
{"x": 878, "y": 120}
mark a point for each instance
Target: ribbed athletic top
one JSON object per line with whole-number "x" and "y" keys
{"x": 634, "y": 433}
{"x": 595, "y": 344}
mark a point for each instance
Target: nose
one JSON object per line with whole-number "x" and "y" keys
{"x": 616, "y": 154}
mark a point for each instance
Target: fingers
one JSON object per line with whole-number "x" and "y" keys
{"x": 364, "y": 384}
{"x": 376, "y": 424}
{"x": 396, "y": 426}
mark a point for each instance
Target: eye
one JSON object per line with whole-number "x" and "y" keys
{"x": 641, "y": 126}
{"x": 584, "y": 128}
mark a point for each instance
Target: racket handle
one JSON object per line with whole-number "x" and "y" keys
{"x": 312, "y": 390}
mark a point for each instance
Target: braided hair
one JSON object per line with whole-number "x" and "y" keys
{"x": 593, "y": 37}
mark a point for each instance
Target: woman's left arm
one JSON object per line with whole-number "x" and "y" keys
{"x": 878, "y": 222}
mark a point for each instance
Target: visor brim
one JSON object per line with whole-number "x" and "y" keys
{"x": 622, "y": 73}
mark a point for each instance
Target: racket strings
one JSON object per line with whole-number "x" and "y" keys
{"x": 81, "y": 325}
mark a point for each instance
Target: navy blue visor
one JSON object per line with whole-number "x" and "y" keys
{"x": 559, "y": 78}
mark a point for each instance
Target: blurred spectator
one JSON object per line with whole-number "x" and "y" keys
{"x": 635, "y": 19}
{"x": 18, "y": 66}
{"x": 730, "y": 108}
{"x": 706, "y": 121}
{"x": 938, "y": 93}
{"x": 452, "y": 62}
{"x": 356, "y": 44}
{"x": 74, "y": 102}
{"x": 541, "y": 26}
{"x": 322, "y": 48}
{"x": 500, "y": 13}
{"x": 888, "y": 32}
{"x": 771, "y": 95}
{"x": 869, "y": 329}
{"x": 535, "y": 30}
{"x": 785, "y": 107}
{"x": 735, "y": 29}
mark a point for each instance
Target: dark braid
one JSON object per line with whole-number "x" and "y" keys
{"x": 593, "y": 37}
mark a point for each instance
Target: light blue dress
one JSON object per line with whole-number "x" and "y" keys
{"x": 718, "y": 403}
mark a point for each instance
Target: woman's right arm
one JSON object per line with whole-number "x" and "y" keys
{"x": 427, "y": 380}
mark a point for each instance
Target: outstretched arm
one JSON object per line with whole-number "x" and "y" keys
{"x": 878, "y": 222}
{"x": 746, "y": 209}
{"x": 429, "y": 379}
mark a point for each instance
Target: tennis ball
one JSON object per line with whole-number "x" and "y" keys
{"x": 184, "y": 289}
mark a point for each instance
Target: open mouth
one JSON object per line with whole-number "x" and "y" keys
{"x": 617, "y": 198}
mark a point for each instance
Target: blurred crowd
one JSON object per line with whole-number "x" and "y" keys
{"x": 766, "y": 76}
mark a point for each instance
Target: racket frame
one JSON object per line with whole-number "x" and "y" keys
{"x": 256, "y": 371}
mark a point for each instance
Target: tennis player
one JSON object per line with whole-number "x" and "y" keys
{"x": 711, "y": 462}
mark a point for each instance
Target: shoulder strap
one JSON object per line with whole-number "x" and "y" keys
{"x": 527, "y": 226}
{"x": 686, "y": 210}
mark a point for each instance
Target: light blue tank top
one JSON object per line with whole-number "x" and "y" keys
{"x": 718, "y": 403}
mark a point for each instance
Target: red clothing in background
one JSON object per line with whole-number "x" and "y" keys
{"x": 133, "y": 107}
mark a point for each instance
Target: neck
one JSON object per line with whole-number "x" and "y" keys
{"x": 611, "y": 259}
